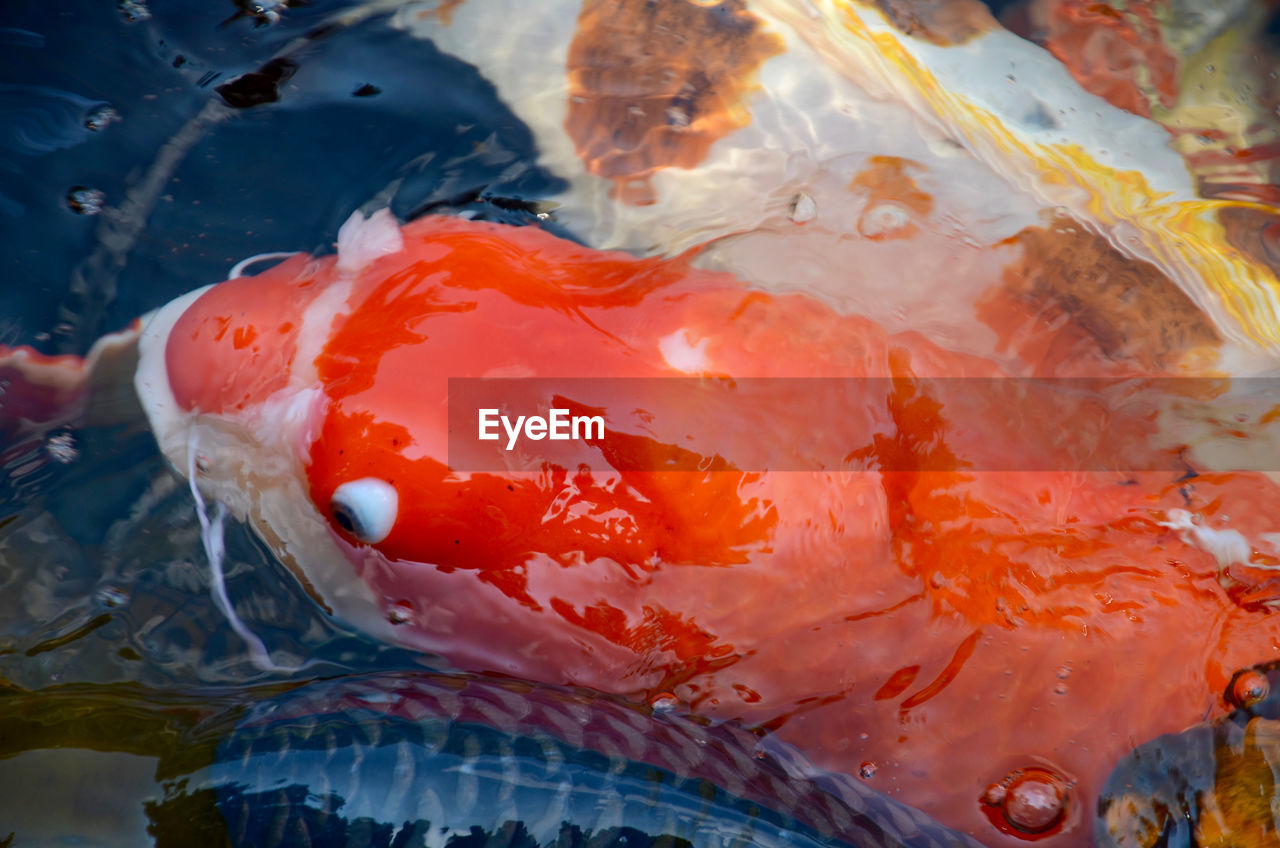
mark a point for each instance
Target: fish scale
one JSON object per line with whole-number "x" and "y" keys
{"x": 466, "y": 764}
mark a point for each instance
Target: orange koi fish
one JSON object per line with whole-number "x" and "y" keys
{"x": 862, "y": 568}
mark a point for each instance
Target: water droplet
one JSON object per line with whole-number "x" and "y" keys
{"x": 100, "y": 118}
{"x": 85, "y": 201}
{"x": 868, "y": 770}
{"x": 112, "y": 596}
{"x": 62, "y": 447}
{"x": 803, "y": 209}
{"x": 664, "y": 702}
{"x": 864, "y": 736}
{"x": 134, "y": 11}
{"x": 1064, "y": 671}
{"x": 1035, "y": 800}
{"x": 1248, "y": 689}
{"x": 1210, "y": 68}
{"x": 1060, "y": 689}
{"x": 401, "y": 612}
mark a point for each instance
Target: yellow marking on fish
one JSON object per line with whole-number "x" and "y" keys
{"x": 1170, "y": 225}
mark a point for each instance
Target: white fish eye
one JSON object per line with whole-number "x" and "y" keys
{"x": 366, "y": 508}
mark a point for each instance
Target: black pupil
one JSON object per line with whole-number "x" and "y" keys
{"x": 343, "y": 517}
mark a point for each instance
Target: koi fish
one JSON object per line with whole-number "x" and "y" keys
{"x": 959, "y": 634}
{"x": 418, "y": 754}
{"x": 982, "y": 643}
{"x": 1210, "y": 783}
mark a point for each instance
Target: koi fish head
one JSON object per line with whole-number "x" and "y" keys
{"x": 227, "y": 376}
{"x": 311, "y": 398}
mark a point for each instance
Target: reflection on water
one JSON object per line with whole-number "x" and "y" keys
{"x": 928, "y": 171}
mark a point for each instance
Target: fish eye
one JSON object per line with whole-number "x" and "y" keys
{"x": 365, "y": 508}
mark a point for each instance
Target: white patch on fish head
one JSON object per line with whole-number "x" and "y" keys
{"x": 362, "y": 240}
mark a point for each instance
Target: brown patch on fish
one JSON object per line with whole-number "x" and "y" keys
{"x": 1238, "y": 811}
{"x": 1254, "y": 231}
{"x": 893, "y": 198}
{"x": 654, "y": 85}
{"x": 1072, "y": 293}
{"x": 943, "y": 22}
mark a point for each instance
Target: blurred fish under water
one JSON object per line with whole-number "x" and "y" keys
{"x": 1019, "y": 521}
{"x": 398, "y": 759}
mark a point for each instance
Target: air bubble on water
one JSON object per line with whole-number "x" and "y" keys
{"x": 86, "y": 201}
{"x": 1036, "y": 802}
{"x": 868, "y": 770}
{"x": 112, "y": 596}
{"x": 100, "y": 118}
{"x": 62, "y": 448}
{"x": 263, "y": 15}
{"x": 664, "y": 702}
{"x": 1248, "y": 689}
{"x": 803, "y": 209}
{"x": 401, "y": 612}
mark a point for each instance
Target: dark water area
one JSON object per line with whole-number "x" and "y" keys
{"x": 130, "y": 102}
{"x": 365, "y": 112}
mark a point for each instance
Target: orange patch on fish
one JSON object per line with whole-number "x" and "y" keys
{"x": 443, "y": 12}
{"x": 654, "y": 85}
{"x": 893, "y": 198}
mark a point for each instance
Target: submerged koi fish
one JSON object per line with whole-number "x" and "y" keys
{"x": 957, "y": 633}
{"x": 368, "y": 758}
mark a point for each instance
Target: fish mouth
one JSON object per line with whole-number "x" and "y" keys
{"x": 168, "y": 421}
{"x": 252, "y": 461}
